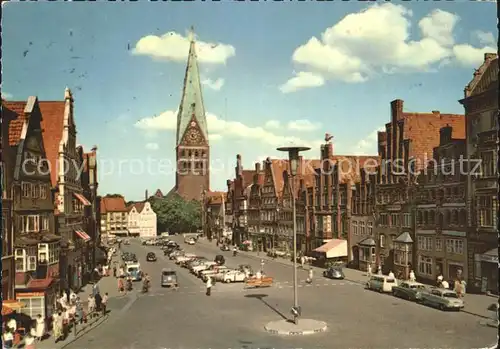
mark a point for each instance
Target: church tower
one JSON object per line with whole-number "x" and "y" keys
{"x": 192, "y": 146}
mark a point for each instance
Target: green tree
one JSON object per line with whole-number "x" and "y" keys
{"x": 176, "y": 215}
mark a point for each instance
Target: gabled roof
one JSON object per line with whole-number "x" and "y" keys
{"x": 404, "y": 237}
{"x": 352, "y": 165}
{"x": 159, "y": 194}
{"x": 113, "y": 204}
{"x": 247, "y": 177}
{"x": 192, "y": 100}
{"x": 52, "y": 132}
{"x": 489, "y": 67}
{"x": 16, "y": 108}
{"x": 139, "y": 206}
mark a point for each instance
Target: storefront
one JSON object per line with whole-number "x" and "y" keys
{"x": 39, "y": 297}
{"x": 334, "y": 250}
{"x": 366, "y": 254}
{"x": 489, "y": 271}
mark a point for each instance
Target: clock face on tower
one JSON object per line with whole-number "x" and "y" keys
{"x": 193, "y": 124}
{"x": 193, "y": 137}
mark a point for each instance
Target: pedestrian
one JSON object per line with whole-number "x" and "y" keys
{"x": 104, "y": 303}
{"x": 98, "y": 301}
{"x": 391, "y": 274}
{"x": 12, "y": 324}
{"x": 40, "y": 327}
{"x": 379, "y": 270}
{"x": 369, "y": 269}
{"x": 302, "y": 261}
{"x": 68, "y": 295}
{"x": 114, "y": 270}
{"x": 209, "y": 286}
{"x": 91, "y": 305}
{"x": 310, "y": 276}
{"x": 412, "y": 275}
{"x": 95, "y": 289}
{"x": 120, "y": 285}
{"x": 79, "y": 311}
{"x": 57, "y": 326}
{"x": 8, "y": 338}
{"x": 29, "y": 341}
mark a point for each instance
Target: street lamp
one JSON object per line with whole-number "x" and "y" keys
{"x": 293, "y": 157}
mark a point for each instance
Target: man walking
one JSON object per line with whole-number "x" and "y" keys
{"x": 209, "y": 285}
{"x": 104, "y": 303}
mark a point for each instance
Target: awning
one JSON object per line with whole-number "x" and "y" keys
{"x": 13, "y": 304}
{"x": 82, "y": 199}
{"x": 333, "y": 248}
{"x": 490, "y": 256}
{"x": 83, "y": 235}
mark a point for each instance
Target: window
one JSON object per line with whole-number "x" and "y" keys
{"x": 394, "y": 219}
{"x": 34, "y": 306}
{"x": 362, "y": 228}
{"x": 425, "y": 265}
{"x": 26, "y": 189}
{"x": 369, "y": 228}
{"x": 43, "y": 191}
{"x": 424, "y": 243}
{"x": 439, "y": 244}
{"x": 35, "y": 191}
{"x": 382, "y": 241}
{"x": 45, "y": 223}
{"x": 400, "y": 257}
{"x": 53, "y": 253}
{"x": 30, "y": 223}
{"x": 355, "y": 228}
{"x": 43, "y": 250}
{"x": 384, "y": 220}
{"x": 488, "y": 164}
{"x": 20, "y": 257}
{"x": 5, "y": 236}
{"x": 455, "y": 246}
{"x": 407, "y": 220}
{"x": 487, "y": 211}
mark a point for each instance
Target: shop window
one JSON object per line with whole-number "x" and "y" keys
{"x": 34, "y": 306}
{"x": 20, "y": 257}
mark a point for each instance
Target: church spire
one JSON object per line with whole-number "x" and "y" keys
{"x": 192, "y": 100}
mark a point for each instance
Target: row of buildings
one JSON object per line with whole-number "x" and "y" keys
{"x": 50, "y": 206}
{"x": 426, "y": 202}
{"x": 119, "y": 218}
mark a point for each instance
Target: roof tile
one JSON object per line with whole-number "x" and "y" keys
{"x": 17, "y": 119}
{"x": 114, "y": 204}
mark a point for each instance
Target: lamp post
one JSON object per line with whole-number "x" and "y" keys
{"x": 293, "y": 157}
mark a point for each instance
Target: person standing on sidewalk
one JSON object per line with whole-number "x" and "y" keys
{"x": 57, "y": 326}
{"x": 104, "y": 303}
{"x": 91, "y": 305}
{"x": 40, "y": 327}
{"x": 209, "y": 286}
{"x": 98, "y": 301}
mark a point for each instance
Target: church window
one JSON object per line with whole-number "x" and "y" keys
{"x": 183, "y": 153}
{"x": 203, "y": 154}
{"x": 190, "y": 153}
{"x": 196, "y": 153}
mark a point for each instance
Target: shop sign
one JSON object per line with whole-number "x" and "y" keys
{"x": 30, "y": 294}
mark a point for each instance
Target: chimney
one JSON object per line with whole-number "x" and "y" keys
{"x": 445, "y": 134}
{"x": 257, "y": 167}
{"x": 397, "y": 109}
{"x": 146, "y": 195}
{"x": 239, "y": 167}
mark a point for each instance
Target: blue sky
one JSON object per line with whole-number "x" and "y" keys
{"x": 273, "y": 73}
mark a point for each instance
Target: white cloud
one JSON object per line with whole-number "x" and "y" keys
{"x": 214, "y": 137}
{"x": 382, "y": 33}
{"x": 485, "y": 38}
{"x": 302, "y": 80}
{"x": 235, "y": 130}
{"x": 470, "y": 56}
{"x": 367, "y": 145}
{"x": 175, "y": 47}
{"x": 6, "y": 95}
{"x": 272, "y": 124}
{"x": 303, "y": 125}
{"x": 214, "y": 85}
{"x": 152, "y": 146}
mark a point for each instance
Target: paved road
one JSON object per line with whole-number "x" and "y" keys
{"x": 234, "y": 318}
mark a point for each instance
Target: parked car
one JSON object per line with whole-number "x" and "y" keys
{"x": 151, "y": 257}
{"x": 410, "y": 290}
{"x": 184, "y": 258}
{"x": 442, "y": 299}
{"x": 224, "y": 248}
{"x": 219, "y": 276}
{"x": 211, "y": 271}
{"x": 381, "y": 283}
{"x": 202, "y": 266}
{"x": 190, "y": 241}
{"x": 175, "y": 254}
{"x": 334, "y": 273}
{"x": 234, "y": 276}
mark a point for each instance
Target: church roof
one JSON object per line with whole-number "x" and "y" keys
{"x": 192, "y": 99}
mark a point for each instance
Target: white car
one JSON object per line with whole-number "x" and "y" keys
{"x": 213, "y": 270}
{"x": 191, "y": 242}
{"x": 184, "y": 258}
{"x": 234, "y": 276}
{"x": 202, "y": 266}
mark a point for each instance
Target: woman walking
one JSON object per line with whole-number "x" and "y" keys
{"x": 57, "y": 326}
{"x": 40, "y": 327}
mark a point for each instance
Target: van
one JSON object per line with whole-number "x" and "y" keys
{"x": 381, "y": 283}
{"x": 168, "y": 278}
{"x": 134, "y": 271}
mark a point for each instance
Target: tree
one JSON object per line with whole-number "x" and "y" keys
{"x": 113, "y": 196}
{"x": 176, "y": 215}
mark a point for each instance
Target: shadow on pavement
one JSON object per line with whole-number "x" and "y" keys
{"x": 261, "y": 298}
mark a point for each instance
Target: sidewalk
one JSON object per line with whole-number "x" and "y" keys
{"x": 107, "y": 284}
{"x": 475, "y": 304}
